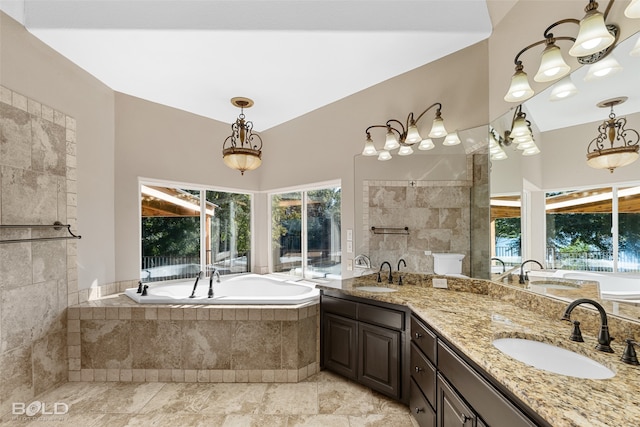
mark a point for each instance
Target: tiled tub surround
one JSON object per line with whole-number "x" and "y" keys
{"x": 472, "y": 313}
{"x": 37, "y": 279}
{"x": 115, "y": 339}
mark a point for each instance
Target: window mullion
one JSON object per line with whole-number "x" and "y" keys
{"x": 614, "y": 227}
{"x": 304, "y": 243}
{"x": 203, "y": 231}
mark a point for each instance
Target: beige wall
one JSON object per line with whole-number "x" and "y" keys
{"x": 31, "y": 68}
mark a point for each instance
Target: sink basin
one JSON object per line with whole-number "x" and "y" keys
{"x": 552, "y": 359}
{"x": 375, "y": 289}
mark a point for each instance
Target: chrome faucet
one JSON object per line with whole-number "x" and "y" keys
{"x": 390, "y": 279}
{"x": 400, "y": 275}
{"x": 525, "y": 276}
{"x": 504, "y": 268}
{"x": 603, "y": 337}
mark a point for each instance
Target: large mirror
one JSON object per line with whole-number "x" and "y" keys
{"x": 434, "y": 201}
{"x": 583, "y": 241}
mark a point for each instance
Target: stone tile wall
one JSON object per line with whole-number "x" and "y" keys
{"x": 111, "y": 340}
{"x": 37, "y": 279}
{"x": 437, "y": 213}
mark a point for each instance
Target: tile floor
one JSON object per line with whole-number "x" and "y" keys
{"x": 322, "y": 400}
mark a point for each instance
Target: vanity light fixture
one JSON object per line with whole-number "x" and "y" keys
{"x": 594, "y": 41}
{"x": 636, "y": 49}
{"x": 520, "y": 134}
{"x": 242, "y": 150}
{"x": 602, "y": 69}
{"x": 633, "y": 9}
{"x": 404, "y": 137}
{"x": 563, "y": 89}
{"x": 615, "y": 146}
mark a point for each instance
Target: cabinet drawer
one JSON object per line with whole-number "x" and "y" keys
{"x": 424, "y": 374}
{"x": 420, "y": 409}
{"x": 339, "y": 306}
{"x": 381, "y": 316}
{"x": 424, "y": 339}
{"x": 488, "y": 402}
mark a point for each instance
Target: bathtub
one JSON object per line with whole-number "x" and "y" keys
{"x": 612, "y": 286}
{"x": 251, "y": 289}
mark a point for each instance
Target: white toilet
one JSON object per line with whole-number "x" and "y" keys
{"x": 448, "y": 265}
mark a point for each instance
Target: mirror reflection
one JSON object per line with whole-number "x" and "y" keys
{"x": 590, "y": 246}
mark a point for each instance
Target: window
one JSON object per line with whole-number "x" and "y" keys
{"x": 507, "y": 233}
{"x": 186, "y": 230}
{"x": 594, "y": 229}
{"x": 305, "y": 232}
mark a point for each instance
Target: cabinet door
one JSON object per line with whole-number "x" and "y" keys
{"x": 379, "y": 364}
{"x": 452, "y": 411}
{"x": 340, "y": 345}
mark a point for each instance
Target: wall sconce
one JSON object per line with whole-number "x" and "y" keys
{"x": 594, "y": 41}
{"x": 242, "y": 150}
{"x": 521, "y": 134}
{"x": 404, "y": 137}
{"x": 615, "y": 146}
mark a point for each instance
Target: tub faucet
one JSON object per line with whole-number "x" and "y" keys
{"x": 400, "y": 275}
{"x": 214, "y": 273}
{"x": 195, "y": 285}
{"x": 525, "y": 276}
{"x": 603, "y": 337}
{"x": 390, "y": 279}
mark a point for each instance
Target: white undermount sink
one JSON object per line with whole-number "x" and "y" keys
{"x": 552, "y": 359}
{"x": 375, "y": 289}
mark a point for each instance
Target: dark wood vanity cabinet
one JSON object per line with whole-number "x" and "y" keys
{"x": 446, "y": 391}
{"x": 365, "y": 342}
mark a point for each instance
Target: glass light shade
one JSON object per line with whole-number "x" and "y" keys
{"x": 563, "y": 89}
{"x": 413, "y": 136}
{"x": 242, "y": 159}
{"x": 593, "y": 35}
{"x": 520, "y": 89}
{"x": 384, "y": 155}
{"x": 451, "y": 139}
{"x": 369, "y": 148}
{"x": 391, "y": 143}
{"x": 636, "y": 49}
{"x": 499, "y": 156}
{"x": 437, "y": 128}
{"x": 405, "y": 150}
{"x": 523, "y": 139}
{"x": 426, "y": 144}
{"x": 633, "y": 9}
{"x": 495, "y": 150}
{"x": 519, "y": 128}
{"x": 531, "y": 151}
{"x": 526, "y": 145}
{"x": 552, "y": 65}
{"x": 603, "y": 68}
{"x": 611, "y": 158}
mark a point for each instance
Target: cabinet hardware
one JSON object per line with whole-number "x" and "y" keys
{"x": 418, "y": 335}
{"x": 418, "y": 410}
{"x": 418, "y": 369}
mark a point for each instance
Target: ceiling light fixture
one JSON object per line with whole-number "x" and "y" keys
{"x": 594, "y": 41}
{"x": 633, "y": 10}
{"x": 615, "y": 146}
{"x": 242, "y": 150}
{"x": 404, "y": 136}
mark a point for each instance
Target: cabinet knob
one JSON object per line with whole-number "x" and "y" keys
{"x": 465, "y": 418}
{"x": 418, "y": 335}
{"x": 418, "y": 369}
{"x": 418, "y": 410}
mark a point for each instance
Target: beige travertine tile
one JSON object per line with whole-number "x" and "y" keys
{"x": 206, "y": 344}
{"x": 318, "y": 421}
{"x": 300, "y": 398}
{"x": 381, "y": 420}
{"x": 255, "y": 420}
{"x": 344, "y": 398}
{"x": 156, "y": 344}
{"x": 164, "y": 375}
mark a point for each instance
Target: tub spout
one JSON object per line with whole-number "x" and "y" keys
{"x": 214, "y": 273}
{"x": 195, "y": 285}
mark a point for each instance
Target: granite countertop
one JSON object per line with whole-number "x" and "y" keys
{"x": 471, "y": 318}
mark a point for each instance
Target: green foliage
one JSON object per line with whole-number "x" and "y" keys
{"x": 590, "y": 229}
{"x": 171, "y": 236}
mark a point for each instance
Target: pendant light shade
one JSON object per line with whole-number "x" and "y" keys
{"x": 426, "y": 144}
{"x": 593, "y": 35}
{"x": 413, "y": 136}
{"x": 391, "y": 142}
{"x": 437, "y": 128}
{"x": 451, "y": 139}
{"x": 242, "y": 150}
{"x": 603, "y": 69}
{"x": 384, "y": 155}
{"x": 405, "y": 150}
{"x": 552, "y": 65}
{"x": 369, "y": 148}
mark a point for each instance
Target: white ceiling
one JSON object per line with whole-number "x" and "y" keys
{"x": 290, "y": 56}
